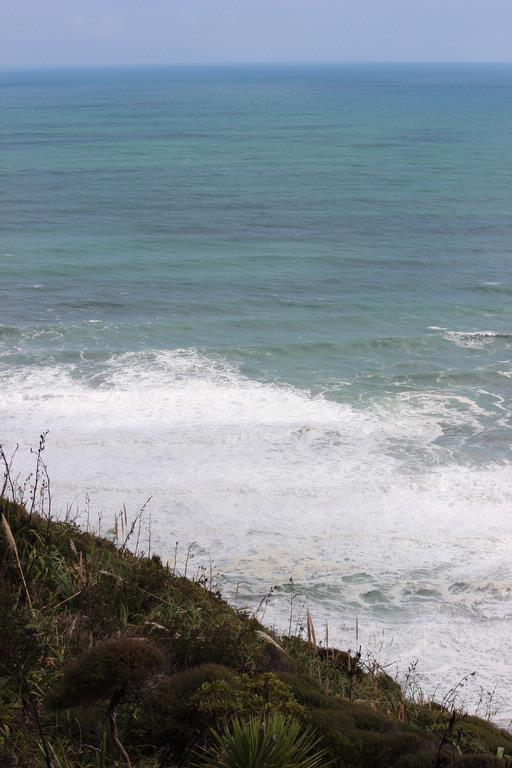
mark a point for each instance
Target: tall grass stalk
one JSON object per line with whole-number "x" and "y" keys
{"x": 12, "y": 545}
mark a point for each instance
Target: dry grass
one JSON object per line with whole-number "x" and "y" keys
{"x": 12, "y": 545}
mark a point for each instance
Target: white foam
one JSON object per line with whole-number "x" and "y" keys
{"x": 475, "y": 339}
{"x": 276, "y": 482}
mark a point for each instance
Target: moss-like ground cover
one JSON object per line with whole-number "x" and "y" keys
{"x": 107, "y": 658}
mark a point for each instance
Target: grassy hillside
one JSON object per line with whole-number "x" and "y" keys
{"x": 110, "y": 659}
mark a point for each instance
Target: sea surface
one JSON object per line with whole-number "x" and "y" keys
{"x": 278, "y": 300}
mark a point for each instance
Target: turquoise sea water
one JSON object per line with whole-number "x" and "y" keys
{"x": 279, "y": 299}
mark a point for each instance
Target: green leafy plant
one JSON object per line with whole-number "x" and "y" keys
{"x": 278, "y": 741}
{"x": 246, "y": 695}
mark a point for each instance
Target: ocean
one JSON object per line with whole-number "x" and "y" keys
{"x": 278, "y": 300}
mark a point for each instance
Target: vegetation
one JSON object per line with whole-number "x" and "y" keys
{"x": 277, "y": 741}
{"x": 110, "y": 658}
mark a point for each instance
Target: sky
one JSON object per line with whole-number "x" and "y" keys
{"x": 60, "y": 33}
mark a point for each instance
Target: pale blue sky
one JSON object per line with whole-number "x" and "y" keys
{"x": 35, "y": 33}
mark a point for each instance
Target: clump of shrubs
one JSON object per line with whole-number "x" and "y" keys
{"x": 245, "y": 695}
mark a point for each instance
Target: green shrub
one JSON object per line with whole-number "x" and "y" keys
{"x": 307, "y": 691}
{"x": 165, "y": 715}
{"x": 177, "y": 712}
{"x": 360, "y": 738}
{"x": 108, "y": 669}
{"x": 245, "y": 695}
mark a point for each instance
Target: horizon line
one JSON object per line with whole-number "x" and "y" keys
{"x": 254, "y": 63}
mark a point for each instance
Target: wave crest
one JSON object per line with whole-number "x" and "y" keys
{"x": 477, "y": 339}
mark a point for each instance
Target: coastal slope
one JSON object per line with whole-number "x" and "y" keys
{"x": 110, "y": 658}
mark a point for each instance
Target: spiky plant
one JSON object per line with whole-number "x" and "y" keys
{"x": 277, "y": 741}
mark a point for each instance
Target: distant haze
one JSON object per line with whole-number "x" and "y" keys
{"x": 48, "y": 33}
